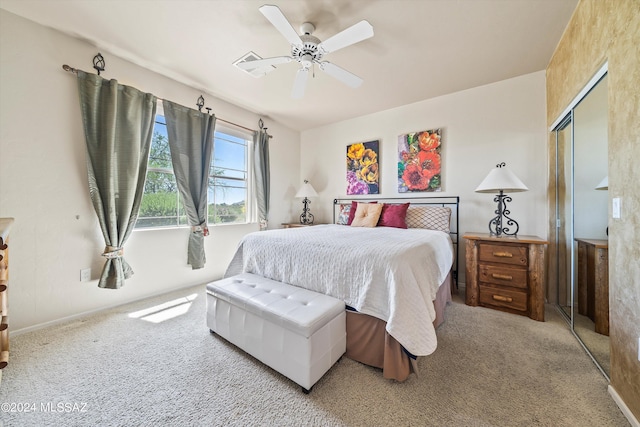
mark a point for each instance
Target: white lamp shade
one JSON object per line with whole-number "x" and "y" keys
{"x": 604, "y": 184}
{"x": 306, "y": 190}
{"x": 501, "y": 178}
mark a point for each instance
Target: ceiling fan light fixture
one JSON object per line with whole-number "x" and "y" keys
{"x": 308, "y": 50}
{"x": 306, "y": 60}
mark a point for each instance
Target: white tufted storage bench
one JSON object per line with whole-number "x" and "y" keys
{"x": 297, "y": 332}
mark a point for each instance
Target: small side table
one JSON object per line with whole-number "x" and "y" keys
{"x": 506, "y": 273}
{"x": 295, "y": 225}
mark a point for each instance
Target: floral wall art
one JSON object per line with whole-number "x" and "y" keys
{"x": 419, "y": 161}
{"x": 362, "y": 168}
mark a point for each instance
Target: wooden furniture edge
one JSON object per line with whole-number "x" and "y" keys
{"x": 5, "y": 228}
{"x": 536, "y": 276}
{"x": 506, "y": 239}
{"x": 471, "y": 270}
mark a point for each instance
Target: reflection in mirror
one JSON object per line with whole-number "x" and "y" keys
{"x": 563, "y": 215}
{"x": 582, "y": 219}
{"x": 590, "y": 207}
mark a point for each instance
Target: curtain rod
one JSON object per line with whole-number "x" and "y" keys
{"x": 75, "y": 71}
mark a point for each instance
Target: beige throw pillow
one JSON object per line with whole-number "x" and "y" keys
{"x": 367, "y": 215}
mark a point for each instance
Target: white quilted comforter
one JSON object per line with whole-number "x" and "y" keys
{"x": 390, "y": 273}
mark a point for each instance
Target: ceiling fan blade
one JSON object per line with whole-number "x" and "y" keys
{"x": 341, "y": 74}
{"x": 278, "y": 20}
{"x": 354, "y": 34}
{"x": 250, "y": 65}
{"x": 300, "y": 83}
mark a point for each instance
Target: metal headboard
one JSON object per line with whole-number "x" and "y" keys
{"x": 452, "y": 202}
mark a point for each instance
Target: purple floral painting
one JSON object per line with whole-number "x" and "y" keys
{"x": 362, "y": 168}
{"x": 419, "y": 162}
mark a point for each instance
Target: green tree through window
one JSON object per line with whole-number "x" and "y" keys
{"x": 227, "y": 194}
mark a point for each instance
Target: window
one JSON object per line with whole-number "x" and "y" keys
{"x": 228, "y": 192}
{"x": 161, "y": 205}
{"x": 228, "y": 179}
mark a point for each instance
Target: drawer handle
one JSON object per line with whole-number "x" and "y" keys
{"x": 503, "y": 254}
{"x": 502, "y": 276}
{"x": 501, "y": 298}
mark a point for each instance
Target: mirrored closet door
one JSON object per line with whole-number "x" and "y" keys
{"x": 581, "y": 220}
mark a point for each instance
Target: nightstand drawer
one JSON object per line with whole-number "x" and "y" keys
{"x": 501, "y": 297}
{"x": 502, "y": 275}
{"x": 505, "y": 254}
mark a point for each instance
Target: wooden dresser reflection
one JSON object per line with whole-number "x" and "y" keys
{"x": 5, "y": 227}
{"x": 593, "y": 282}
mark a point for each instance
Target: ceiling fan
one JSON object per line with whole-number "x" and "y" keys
{"x": 309, "y": 50}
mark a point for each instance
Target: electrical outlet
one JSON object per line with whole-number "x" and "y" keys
{"x": 85, "y": 275}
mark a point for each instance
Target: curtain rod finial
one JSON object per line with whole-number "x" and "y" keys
{"x": 98, "y": 63}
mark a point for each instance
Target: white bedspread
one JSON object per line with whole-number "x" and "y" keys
{"x": 390, "y": 273}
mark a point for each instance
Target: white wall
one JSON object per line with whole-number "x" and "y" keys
{"x": 483, "y": 126}
{"x": 43, "y": 182}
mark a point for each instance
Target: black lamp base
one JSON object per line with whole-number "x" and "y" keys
{"x": 496, "y": 225}
{"x": 306, "y": 217}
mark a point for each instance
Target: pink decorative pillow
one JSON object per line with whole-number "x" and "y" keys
{"x": 393, "y": 216}
{"x": 367, "y": 215}
{"x": 352, "y": 212}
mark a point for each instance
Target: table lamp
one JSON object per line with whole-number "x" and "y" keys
{"x": 604, "y": 184}
{"x": 500, "y": 180}
{"x": 306, "y": 191}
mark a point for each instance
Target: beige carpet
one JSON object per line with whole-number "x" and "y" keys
{"x": 597, "y": 344}
{"x": 114, "y": 369}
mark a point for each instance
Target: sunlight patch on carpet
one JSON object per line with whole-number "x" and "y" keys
{"x": 165, "y": 311}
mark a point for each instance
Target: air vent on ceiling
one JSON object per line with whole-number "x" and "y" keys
{"x": 255, "y": 72}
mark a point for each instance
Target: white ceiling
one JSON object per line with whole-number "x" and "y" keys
{"x": 421, "y": 48}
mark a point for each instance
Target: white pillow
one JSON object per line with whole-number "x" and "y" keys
{"x": 429, "y": 217}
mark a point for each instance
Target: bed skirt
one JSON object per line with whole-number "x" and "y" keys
{"x": 368, "y": 341}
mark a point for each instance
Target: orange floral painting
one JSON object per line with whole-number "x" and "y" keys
{"x": 419, "y": 161}
{"x": 362, "y": 168}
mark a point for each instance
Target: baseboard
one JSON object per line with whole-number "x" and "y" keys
{"x": 92, "y": 312}
{"x": 623, "y": 407}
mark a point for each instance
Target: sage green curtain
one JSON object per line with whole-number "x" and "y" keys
{"x": 118, "y": 126}
{"x": 191, "y": 143}
{"x": 262, "y": 175}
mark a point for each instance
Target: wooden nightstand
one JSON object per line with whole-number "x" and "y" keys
{"x": 295, "y": 225}
{"x": 506, "y": 273}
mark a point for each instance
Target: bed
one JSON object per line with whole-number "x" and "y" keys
{"x": 395, "y": 281}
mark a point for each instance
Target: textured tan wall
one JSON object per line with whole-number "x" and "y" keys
{"x": 599, "y": 31}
